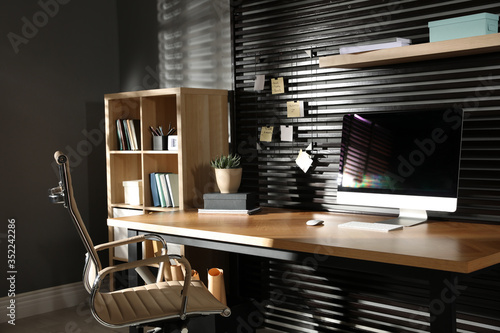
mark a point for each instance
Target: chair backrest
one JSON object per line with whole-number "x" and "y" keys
{"x": 70, "y": 203}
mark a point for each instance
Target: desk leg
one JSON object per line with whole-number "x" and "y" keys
{"x": 134, "y": 253}
{"x": 444, "y": 290}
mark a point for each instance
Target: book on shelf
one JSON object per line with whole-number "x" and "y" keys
{"x": 120, "y": 132}
{"x": 375, "y": 45}
{"x": 154, "y": 190}
{"x": 167, "y": 202}
{"x": 128, "y": 134}
{"x": 173, "y": 188}
{"x": 133, "y": 138}
{"x": 164, "y": 189}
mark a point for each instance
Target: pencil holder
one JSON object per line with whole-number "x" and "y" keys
{"x": 160, "y": 142}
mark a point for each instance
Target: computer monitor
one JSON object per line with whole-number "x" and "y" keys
{"x": 406, "y": 159}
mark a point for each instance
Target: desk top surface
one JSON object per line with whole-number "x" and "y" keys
{"x": 450, "y": 246}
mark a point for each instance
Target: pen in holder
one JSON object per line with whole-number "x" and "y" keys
{"x": 160, "y": 142}
{"x": 164, "y": 142}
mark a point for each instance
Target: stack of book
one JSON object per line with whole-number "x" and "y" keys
{"x": 164, "y": 189}
{"x": 230, "y": 203}
{"x": 375, "y": 45}
{"x": 129, "y": 134}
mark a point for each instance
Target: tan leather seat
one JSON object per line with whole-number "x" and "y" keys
{"x": 146, "y": 303}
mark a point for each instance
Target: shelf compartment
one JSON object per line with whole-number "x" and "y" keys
{"x": 412, "y": 53}
{"x": 157, "y": 163}
{"x": 157, "y": 111}
{"x": 126, "y": 108}
{"x": 125, "y": 167}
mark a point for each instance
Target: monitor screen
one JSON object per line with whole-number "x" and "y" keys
{"x": 406, "y": 159}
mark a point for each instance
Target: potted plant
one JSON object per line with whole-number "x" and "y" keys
{"x": 227, "y": 172}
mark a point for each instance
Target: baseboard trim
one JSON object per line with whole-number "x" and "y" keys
{"x": 44, "y": 300}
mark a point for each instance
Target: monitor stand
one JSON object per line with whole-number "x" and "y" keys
{"x": 408, "y": 218}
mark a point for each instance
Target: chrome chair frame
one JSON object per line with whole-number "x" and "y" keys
{"x": 94, "y": 274}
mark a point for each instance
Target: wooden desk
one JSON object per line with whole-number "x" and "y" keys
{"x": 445, "y": 248}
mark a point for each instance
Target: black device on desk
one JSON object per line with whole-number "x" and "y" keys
{"x": 404, "y": 159}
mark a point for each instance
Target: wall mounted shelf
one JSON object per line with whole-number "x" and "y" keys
{"x": 418, "y": 52}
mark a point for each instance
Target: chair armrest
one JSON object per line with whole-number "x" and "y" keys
{"x": 164, "y": 266}
{"x": 145, "y": 262}
{"x": 131, "y": 240}
{"x": 129, "y": 265}
{"x": 119, "y": 242}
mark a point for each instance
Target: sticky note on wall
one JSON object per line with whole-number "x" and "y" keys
{"x": 278, "y": 86}
{"x": 266, "y": 134}
{"x": 295, "y": 109}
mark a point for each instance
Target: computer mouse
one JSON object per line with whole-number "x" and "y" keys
{"x": 315, "y": 222}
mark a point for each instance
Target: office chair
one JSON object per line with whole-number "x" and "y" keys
{"x": 158, "y": 303}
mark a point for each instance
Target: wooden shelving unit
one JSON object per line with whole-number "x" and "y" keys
{"x": 201, "y": 119}
{"x": 412, "y": 53}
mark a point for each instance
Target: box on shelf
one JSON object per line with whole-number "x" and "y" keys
{"x": 463, "y": 26}
{"x": 230, "y": 201}
{"x": 132, "y": 190}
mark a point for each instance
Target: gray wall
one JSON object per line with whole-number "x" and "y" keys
{"x": 138, "y": 40}
{"x": 57, "y": 60}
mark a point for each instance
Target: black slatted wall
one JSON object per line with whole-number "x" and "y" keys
{"x": 285, "y": 39}
{"x": 312, "y": 295}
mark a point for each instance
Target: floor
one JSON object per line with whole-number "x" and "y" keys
{"x": 70, "y": 320}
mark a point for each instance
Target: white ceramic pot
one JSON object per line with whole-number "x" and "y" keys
{"x": 228, "y": 180}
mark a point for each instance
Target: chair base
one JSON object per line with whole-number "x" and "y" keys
{"x": 170, "y": 329}
{"x": 205, "y": 324}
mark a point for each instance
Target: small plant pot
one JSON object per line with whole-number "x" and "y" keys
{"x": 228, "y": 180}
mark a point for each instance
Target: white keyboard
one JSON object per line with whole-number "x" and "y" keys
{"x": 370, "y": 226}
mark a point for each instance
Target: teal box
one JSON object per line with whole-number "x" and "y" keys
{"x": 463, "y": 26}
